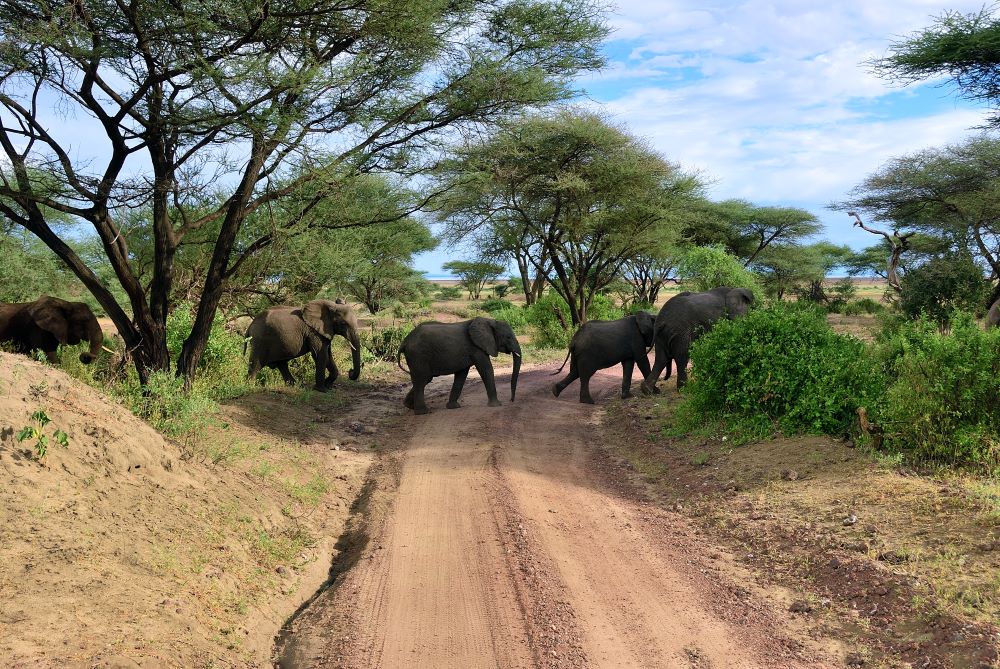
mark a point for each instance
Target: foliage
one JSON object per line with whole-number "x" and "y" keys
{"x": 383, "y": 343}
{"x": 218, "y": 99}
{"x": 516, "y": 317}
{"x": 947, "y": 196}
{"x": 501, "y": 289}
{"x": 473, "y": 275}
{"x": 552, "y": 323}
{"x": 36, "y": 432}
{"x": 567, "y": 195}
{"x": 783, "y": 364}
{"x": 943, "y": 404}
{"x": 963, "y": 47}
{"x": 706, "y": 267}
{"x": 449, "y": 293}
{"x": 865, "y": 305}
{"x": 164, "y": 403}
{"x": 751, "y": 229}
{"x": 943, "y": 285}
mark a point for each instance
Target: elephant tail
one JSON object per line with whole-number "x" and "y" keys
{"x": 399, "y": 357}
{"x": 568, "y": 353}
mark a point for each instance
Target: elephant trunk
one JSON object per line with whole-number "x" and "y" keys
{"x": 517, "y": 370}
{"x": 96, "y": 338}
{"x": 355, "y": 341}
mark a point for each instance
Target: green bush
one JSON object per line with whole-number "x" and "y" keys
{"x": 942, "y": 285}
{"x": 552, "y": 322}
{"x": 707, "y": 267}
{"x": 383, "y": 343}
{"x": 782, "y": 364}
{"x": 449, "y": 293}
{"x": 516, "y": 317}
{"x": 943, "y": 404}
{"x": 494, "y": 304}
{"x": 165, "y": 405}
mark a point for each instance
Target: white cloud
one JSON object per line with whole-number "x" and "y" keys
{"x": 773, "y": 99}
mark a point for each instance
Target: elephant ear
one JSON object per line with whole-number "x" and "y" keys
{"x": 49, "y": 316}
{"x": 315, "y": 316}
{"x": 482, "y": 335}
{"x": 739, "y": 301}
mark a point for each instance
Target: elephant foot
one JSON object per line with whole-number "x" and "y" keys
{"x": 421, "y": 411}
{"x": 586, "y": 400}
{"x": 645, "y": 390}
{"x": 495, "y": 403}
{"x": 453, "y": 405}
{"x": 556, "y": 390}
{"x": 322, "y": 388}
{"x": 626, "y": 395}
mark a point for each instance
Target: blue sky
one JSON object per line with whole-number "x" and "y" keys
{"x": 771, "y": 101}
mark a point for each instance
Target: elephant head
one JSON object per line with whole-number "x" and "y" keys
{"x": 738, "y": 302}
{"x": 69, "y": 322}
{"x": 645, "y": 322}
{"x": 328, "y": 319}
{"x": 493, "y": 336}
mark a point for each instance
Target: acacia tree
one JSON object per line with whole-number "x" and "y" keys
{"x": 474, "y": 274}
{"x": 754, "y": 228}
{"x": 574, "y": 189}
{"x": 192, "y": 101}
{"x": 948, "y": 194}
{"x": 965, "y": 48}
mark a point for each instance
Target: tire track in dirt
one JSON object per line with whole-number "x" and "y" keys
{"x": 502, "y": 548}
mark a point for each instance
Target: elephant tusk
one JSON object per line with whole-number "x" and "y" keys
{"x": 108, "y": 350}
{"x": 517, "y": 355}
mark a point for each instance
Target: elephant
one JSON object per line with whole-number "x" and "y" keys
{"x": 48, "y": 322}
{"x": 682, "y": 320}
{"x": 436, "y": 349}
{"x": 993, "y": 316}
{"x": 600, "y": 344}
{"x": 283, "y": 333}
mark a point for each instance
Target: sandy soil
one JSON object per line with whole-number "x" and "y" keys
{"x": 504, "y": 545}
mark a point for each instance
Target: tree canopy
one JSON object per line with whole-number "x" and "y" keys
{"x": 964, "y": 48}
{"x": 568, "y": 193}
{"x": 210, "y": 114}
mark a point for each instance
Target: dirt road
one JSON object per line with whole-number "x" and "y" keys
{"x": 506, "y": 544}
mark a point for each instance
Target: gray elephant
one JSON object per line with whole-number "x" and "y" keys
{"x": 682, "y": 320}
{"x": 283, "y": 333}
{"x": 993, "y": 316}
{"x": 600, "y": 344}
{"x": 48, "y": 322}
{"x": 436, "y": 349}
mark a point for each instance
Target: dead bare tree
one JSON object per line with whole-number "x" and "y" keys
{"x": 897, "y": 243}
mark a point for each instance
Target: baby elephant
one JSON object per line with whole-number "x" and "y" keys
{"x": 600, "y": 344}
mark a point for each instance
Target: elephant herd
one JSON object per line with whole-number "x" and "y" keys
{"x": 280, "y": 334}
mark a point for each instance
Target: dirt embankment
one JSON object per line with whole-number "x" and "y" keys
{"x": 124, "y": 549}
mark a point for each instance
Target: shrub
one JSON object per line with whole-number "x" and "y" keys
{"x": 870, "y": 306}
{"x": 165, "y": 405}
{"x": 494, "y": 304}
{"x": 942, "y": 285}
{"x": 707, "y": 267}
{"x": 782, "y": 364}
{"x": 383, "y": 343}
{"x": 449, "y": 293}
{"x": 943, "y": 404}
{"x": 551, "y": 320}
{"x": 515, "y": 316}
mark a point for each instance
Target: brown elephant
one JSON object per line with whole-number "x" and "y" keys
{"x": 48, "y": 322}
{"x": 283, "y": 333}
{"x": 993, "y": 316}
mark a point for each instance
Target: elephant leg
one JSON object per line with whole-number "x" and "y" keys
{"x": 419, "y": 404}
{"x": 573, "y": 375}
{"x": 51, "y": 357}
{"x": 456, "y": 388}
{"x": 253, "y": 370}
{"x": 331, "y": 366}
{"x": 485, "y": 369}
{"x": 585, "y": 386}
{"x": 285, "y": 374}
{"x": 408, "y": 400}
{"x": 627, "y": 367}
{"x": 682, "y": 362}
{"x": 642, "y": 362}
{"x": 662, "y": 360}
{"x": 322, "y": 359}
